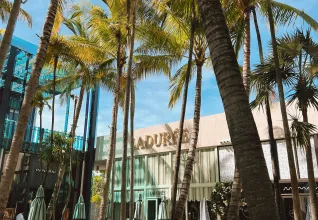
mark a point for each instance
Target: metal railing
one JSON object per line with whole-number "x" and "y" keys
{"x": 32, "y": 137}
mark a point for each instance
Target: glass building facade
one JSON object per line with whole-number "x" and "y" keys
{"x": 13, "y": 83}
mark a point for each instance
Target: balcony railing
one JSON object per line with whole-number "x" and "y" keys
{"x": 32, "y": 138}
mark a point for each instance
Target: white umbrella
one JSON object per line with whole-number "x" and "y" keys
{"x": 138, "y": 210}
{"x": 204, "y": 212}
{"x": 162, "y": 214}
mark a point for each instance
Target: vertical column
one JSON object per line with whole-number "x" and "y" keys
{"x": 216, "y": 163}
{"x": 1, "y": 160}
{"x": 145, "y": 188}
{"x": 79, "y": 166}
{"x": 90, "y": 153}
{"x": 316, "y": 146}
{"x": 67, "y": 113}
{"x": 4, "y": 102}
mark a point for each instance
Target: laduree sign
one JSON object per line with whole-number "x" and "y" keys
{"x": 157, "y": 192}
{"x": 161, "y": 139}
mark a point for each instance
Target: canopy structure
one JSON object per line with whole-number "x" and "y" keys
{"x": 138, "y": 210}
{"x": 163, "y": 214}
{"x": 79, "y": 210}
{"x": 38, "y": 207}
{"x": 204, "y": 212}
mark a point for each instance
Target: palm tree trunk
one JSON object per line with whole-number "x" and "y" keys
{"x": 184, "y": 190}
{"x": 8, "y": 34}
{"x": 274, "y": 157}
{"x": 132, "y": 170}
{"x": 242, "y": 128}
{"x": 234, "y": 206}
{"x": 311, "y": 175}
{"x": 235, "y": 202}
{"x": 7, "y": 177}
{"x": 181, "y": 123}
{"x": 131, "y": 41}
{"x": 41, "y": 150}
{"x": 113, "y": 130}
{"x": 293, "y": 176}
{"x": 77, "y": 110}
{"x": 247, "y": 51}
{"x": 272, "y": 141}
{"x": 112, "y": 191}
{"x": 51, "y": 207}
{"x": 258, "y": 35}
{"x": 53, "y": 98}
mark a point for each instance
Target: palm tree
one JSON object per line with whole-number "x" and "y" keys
{"x": 238, "y": 15}
{"x": 279, "y": 81}
{"x": 40, "y": 102}
{"x": 152, "y": 56}
{"x": 26, "y": 108}
{"x": 130, "y": 44}
{"x": 251, "y": 162}
{"x": 184, "y": 190}
{"x": 131, "y": 39}
{"x": 265, "y": 91}
{"x": 238, "y": 18}
{"x": 181, "y": 123}
{"x": 61, "y": 152}
{"x": 304, "y": 93}
{"x": 301, "y": 131}
{"x": 83, "y": 63}
{"x": 132, "y": 166}
{"x": 264, "y": 94}
{"x": 15, "y": 12}
{"x": 110, "y": 31}
{"x": 182, "y": 33}
{"x": 178, "y": 82}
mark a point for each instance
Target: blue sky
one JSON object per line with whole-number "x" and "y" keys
{"x": 152, "y": 95}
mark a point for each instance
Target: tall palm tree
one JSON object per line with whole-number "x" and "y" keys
{"x": 279, "y": 81}
{"x": 266, "y": 101}
{"x": 61, "y": 152}
{"x": 301, "y": 131}
{"x": 110, "y": 31}
{"x": 130, "y": 31}
{"x": 26, "y": 108}
{"x": 177, "y": 17}
{"x": 181, "y": 123}
{"x": 251, "y": 162}
{"x": 15, "y": 12}
{"x": 238, "y": 14}
{"x": 132, "y": 166}
{"x": 177, "y": 84}
{"x": 131, "y": 39}
{"x": 83, "y": 63}
{"x": 40, "y": 102}
{"x": 302, "y": 49}
{"x": 152, "y": 56}
{"x": 200, "y": 58}
{"x": 305, "y": 95}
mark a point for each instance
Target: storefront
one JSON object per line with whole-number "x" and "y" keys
{"x": 214, "y": 161}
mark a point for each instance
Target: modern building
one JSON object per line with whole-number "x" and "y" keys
{"x": 13, "y": 82}
{"x": 155, "y": 156}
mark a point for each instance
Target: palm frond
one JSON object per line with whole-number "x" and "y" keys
{"x": 301, "y": 132}
{"x": 146, "y": 65}
{"x": 177, "y": 83}
{"x": 286, "y": 14}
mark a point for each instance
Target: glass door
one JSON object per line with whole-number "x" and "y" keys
{"x": 153, "y": 208}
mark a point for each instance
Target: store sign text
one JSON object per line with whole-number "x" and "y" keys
{"x": 156, "y": 193}
{"x": 162, "y": 139}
